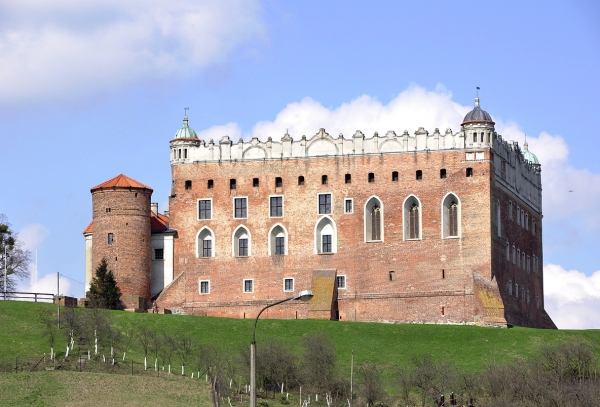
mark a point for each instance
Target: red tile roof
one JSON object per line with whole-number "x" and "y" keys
{"x": 158, "y": 223}
{"x": 121, "y": 181}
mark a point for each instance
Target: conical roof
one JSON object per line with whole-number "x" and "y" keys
{"x": 121, "y": 181}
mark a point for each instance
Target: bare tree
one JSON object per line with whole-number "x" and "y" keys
{"x": 144, "y": 335}
{"x": 50, "y": 329}
{"x": 128, "y": 333}
{"x": 319, "y": 362}
{"x": 184, "y": 347}
{"x": 168, "y": 348}
{"x": 371, "y": 383}
{"x": 14, "y": 259}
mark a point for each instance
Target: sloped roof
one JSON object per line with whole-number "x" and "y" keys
{"x": 121, "y": 181}
{"x": 158, "y": 223}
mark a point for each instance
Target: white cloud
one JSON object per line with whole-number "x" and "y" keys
{"x": 67, "y": 48}
{"x": 47, "y": 285}
{"x": 216, "y": 133}
{"x": 33, "y": 236}
{"x": 411, "y": 109}
{"x": 572, "y": 299}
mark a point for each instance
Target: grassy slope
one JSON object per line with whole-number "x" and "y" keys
{"x": 467, "y": 346}
{"x": 67, "y": 389}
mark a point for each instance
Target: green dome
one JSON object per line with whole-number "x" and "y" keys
{"x": 528, "y": 155}
{"x": 186, "y": 131}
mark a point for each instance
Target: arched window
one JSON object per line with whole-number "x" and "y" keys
{"x": 373, "y": 220}
{"x": 278, "y": 240}
{"x": 474, "y": 137}
{"x": 450, "y": 216}
{"x": 242, "y": 242}
{"x": 325, "y": 236}
{"x": 412, "y": 218}
{"x": 205, "y": 243}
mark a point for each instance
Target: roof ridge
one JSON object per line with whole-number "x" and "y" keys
{"x": 121, "y": 181}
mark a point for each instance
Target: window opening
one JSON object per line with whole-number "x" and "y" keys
{"x": 204, "y": 287}
{"x": 210, "y": 184}
{"x": 107, "y": 210}
{"x": 111, "y": 238}
{"x": 391, "y": 275}
{"x": 453, "y": 219}
{"x": 255, "y": 182}
{"x": 280, "y": 245}
{"x": 185, "y": 153}
{"x": 288, "y": 284}
{"x": 324, "y": 179}
{"x": 243, "y": 246}
{"x": 341, "y": 282}
{"x": 324, "y": 204}
{"x": 469, "y": 172}
{"x": 371, "y": 177}
{"x": 413, "y": 222}
{"x": 207, "y": 247}
{"x": 443, "y": 273}
{"x": 159, "y": 254}
{"x": 241, "y": 207}
{"x": 394, "y": 176}
{"x": 348, "y": 178}
{"x": 419, "y": 175}
{"x": 375, "y": 223}
{"x": 232, "y": 184}
{"x": 443, "y": 173}
{"x": 179, "y": 153}
{"x": 443, "y": 310}
{"x": 188, "y": 185}
{"x": 348, "y": 206}
{"x": 301, "y": 180}
{"x": 474, "y": 137}
{"x": 278, "y": 182}
{"x": 248, "y": 286}
{"x": 326, "y": 243}
{"x": 276, "y": 206}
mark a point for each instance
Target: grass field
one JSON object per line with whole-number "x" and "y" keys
{"x": 469, "y": 347}
{"x": 22, "y": 327}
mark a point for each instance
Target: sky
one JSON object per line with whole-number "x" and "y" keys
{"x": 90, "y": 90}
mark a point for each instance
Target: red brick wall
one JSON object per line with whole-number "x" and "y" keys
{"x": 419, "y": 292}
{"x": 129, "y": 255}
{"x": 517, "y": 311}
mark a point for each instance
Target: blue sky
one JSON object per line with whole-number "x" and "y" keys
{"x": 89, "y": 90}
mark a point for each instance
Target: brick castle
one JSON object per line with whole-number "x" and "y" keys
{"x": 424, "y": 228}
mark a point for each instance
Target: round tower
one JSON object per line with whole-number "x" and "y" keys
{"x": 121, "y": 235}
{"x": 478, "y": 128}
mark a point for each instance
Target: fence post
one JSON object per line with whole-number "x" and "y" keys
{"x": 16, "y": 366}
{"x": 132, "y": 367}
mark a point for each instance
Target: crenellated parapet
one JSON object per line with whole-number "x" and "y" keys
{"x": 319, "y": 145}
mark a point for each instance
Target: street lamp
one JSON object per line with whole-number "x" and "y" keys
{"x": 302, "y": 296}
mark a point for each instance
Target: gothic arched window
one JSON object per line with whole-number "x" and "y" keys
{"x": 412, "y": 218}
{"x": 373, "y": 220}
{"x": 205, "y": 244}
{"x": 451, "y": 216}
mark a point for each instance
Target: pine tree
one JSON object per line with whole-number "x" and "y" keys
{"x": 104, "y": 292}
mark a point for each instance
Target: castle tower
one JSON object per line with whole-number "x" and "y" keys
{"x": 478, "y": 128}
{"x": 122, "y": 233}
{"x": 182, "y": 143}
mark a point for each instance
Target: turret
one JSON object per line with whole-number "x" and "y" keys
{"x": 183, "y": 143}
{"x": 478, "y": 128}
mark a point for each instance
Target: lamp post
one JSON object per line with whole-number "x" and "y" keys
{"x": 302, "y": 296}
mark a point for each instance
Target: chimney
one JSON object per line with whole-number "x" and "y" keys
{"x": 166, "y": 213}
{"x": 154, "y": 207}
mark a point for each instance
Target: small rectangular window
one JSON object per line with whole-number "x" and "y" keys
{"x": 276, "y": 206}
{"x": 204, "y": 287}
{"x": 301, "y": 180}
{"x": 371, "y": 177}
{"x": 324, "y": 179}
{"x": 185, "y": 153}
{"x": 210, "y": 184}
{"x": 188, "y": 185}
{"x": 419, "y": 175}
{"x": 207, "y": 248}
{"x": 533, "y": 227}
{"x": 241, "y": 208}
{"x": 278, "y": 182}
{"x": 348, "y": 178}
{"x": 255, "y": 182}
{"x": 248, "y": 286}
{"x": 111, "y": 238}
{"x": 394, "y": 176}
{"x": 204, "y": 209}
{"x": 348, "y": 205}
{"x": 469, "y": 172}
{"x": 324, "y": 204}
{"x": 159, "y": 254}
{"x": 232, "y": 183}
{"x": 480, "y": 155}
{"x": 280, "y": 245}
{"x": 443, "y": 173}
{"x": 470, "y": 156}
{"x": 509, "y": 209}
{"x": 288, "y": 284}
{"x": 341, "y": 282}
{"x": 326, "y": 246}
{"x": 243, "y": 247}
